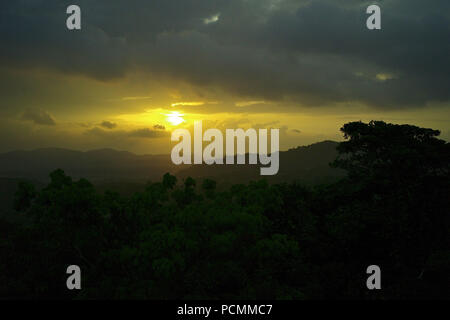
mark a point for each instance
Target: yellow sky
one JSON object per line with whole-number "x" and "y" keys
{"x": 129, "y": 77}
{"x": 139, "y": 104}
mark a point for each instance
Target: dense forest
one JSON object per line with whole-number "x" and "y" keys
{"x": 188, "y": 240}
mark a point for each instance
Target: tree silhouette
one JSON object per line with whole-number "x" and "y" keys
{"x": 260, "y": 240}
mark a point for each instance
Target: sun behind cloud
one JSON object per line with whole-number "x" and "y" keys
{"x": 175, "y": 118}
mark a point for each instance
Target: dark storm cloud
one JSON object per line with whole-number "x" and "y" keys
{"x": 38, "y": 116}
{"x": 309, "y": 52}
{"x": 108, "y": 125}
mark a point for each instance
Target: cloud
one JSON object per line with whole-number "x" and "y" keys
{"x": 212, "y": 19}
{"x": 38, "y": 116}
{"x": 135, "y": 98}
{"x": 384, "y": 76}
{"x": 145, "y": 133}
{"x": 266, "y": 124}
{"x": 248, "y": 103}
{"x": 189, "y": 103}
{"x": 84, "y": 125}
{"x": 108, "y": 125}
{"x": 148, "y": 133}
{"x": 159, "y": 127}
{"x": 305, "y": 52}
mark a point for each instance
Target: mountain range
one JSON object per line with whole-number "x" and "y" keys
{"x": 309, "y": 164}
{"x": 126, "y": 172}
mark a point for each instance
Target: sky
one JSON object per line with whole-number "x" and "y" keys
{"x": 138, "y": 69}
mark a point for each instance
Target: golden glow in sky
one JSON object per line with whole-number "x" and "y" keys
{"x": 175, "y": 118}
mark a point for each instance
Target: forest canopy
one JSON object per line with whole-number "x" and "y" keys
{"x": 187, "y": 240}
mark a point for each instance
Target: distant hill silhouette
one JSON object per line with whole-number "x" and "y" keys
{"x": 309, "y": 164}
{"x": 96, "y": 165}
{"x": 127, "y": 173}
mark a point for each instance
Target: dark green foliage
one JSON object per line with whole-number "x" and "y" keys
{"x": 209, "y": 187}
{"x": 283, "y": 241}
